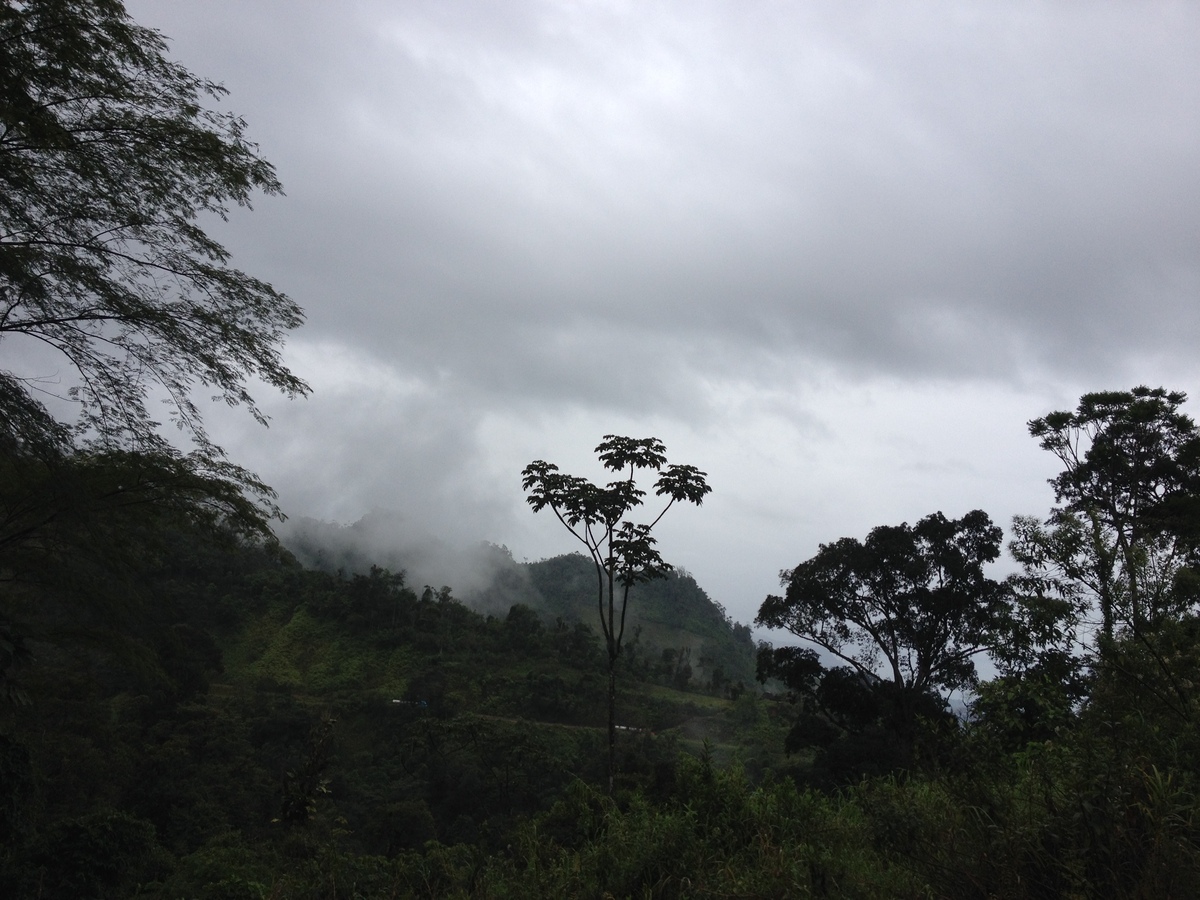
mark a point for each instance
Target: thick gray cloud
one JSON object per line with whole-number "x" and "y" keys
{"x": 837, "y": 253}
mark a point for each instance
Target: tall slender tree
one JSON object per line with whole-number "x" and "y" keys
{"x": 623, "y": 552}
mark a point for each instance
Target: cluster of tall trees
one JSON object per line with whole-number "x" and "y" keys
{"x": 1111, "y": 572}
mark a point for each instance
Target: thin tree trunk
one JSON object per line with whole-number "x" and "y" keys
{"x": 612, "y": 722}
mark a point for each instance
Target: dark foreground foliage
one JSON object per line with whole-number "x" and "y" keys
{"x": 247, "y": 728}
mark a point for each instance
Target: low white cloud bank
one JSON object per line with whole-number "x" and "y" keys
{"x": 834, "y": 254}
{"x": 808, "y": 460}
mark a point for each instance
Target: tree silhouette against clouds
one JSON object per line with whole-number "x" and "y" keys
{"x": 111, "y": 158}
{"x": 907, "y": 610}
{"x": 1124, "y": 535}
{"x": 623, "y": 552}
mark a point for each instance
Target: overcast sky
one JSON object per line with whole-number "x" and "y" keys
{"x": 834, "y": 254}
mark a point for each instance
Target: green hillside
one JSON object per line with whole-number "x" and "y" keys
{"x": 256, "y": 714}
{"x": 673, "y": 615}
{"x": 231, "y": 724}
{"x": 188, "y": 711}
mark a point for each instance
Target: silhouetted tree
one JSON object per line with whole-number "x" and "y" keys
{"x": 907, "y": 611}
{"x": 109, "y": 160}
{"x": 1125, "y": 535}
{"x": 623, "y": 552}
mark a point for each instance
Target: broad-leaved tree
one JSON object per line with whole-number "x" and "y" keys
{"x": 906, "y": 612}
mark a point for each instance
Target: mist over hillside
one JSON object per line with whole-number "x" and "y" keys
{"x": 673, "y": 615}
{"x": 391, "y": 540}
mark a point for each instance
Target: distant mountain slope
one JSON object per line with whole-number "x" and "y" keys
{"x": 673, "y": 614}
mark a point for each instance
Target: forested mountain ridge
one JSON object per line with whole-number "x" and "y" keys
{"x": 672, "y": 615}
{"x": 667, "y": 614}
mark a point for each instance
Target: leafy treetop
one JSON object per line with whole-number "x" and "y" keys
{"x": 1125, "y": 533}
{"x": 109, "y": 158}
{"x": 912, "y": 600}
{"x": 1122, "y": 452}
{"x": 594, "y": 513}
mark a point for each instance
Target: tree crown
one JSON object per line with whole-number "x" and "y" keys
{"x": 595, "y": 514}
{"x": 912, "y": 598}
{"x": 109, "y": 155}
{"x": 1125, "y": 536}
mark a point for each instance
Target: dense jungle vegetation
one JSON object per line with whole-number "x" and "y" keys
{"x": 188, "y": 711}
{"x": 215, "y": 716}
